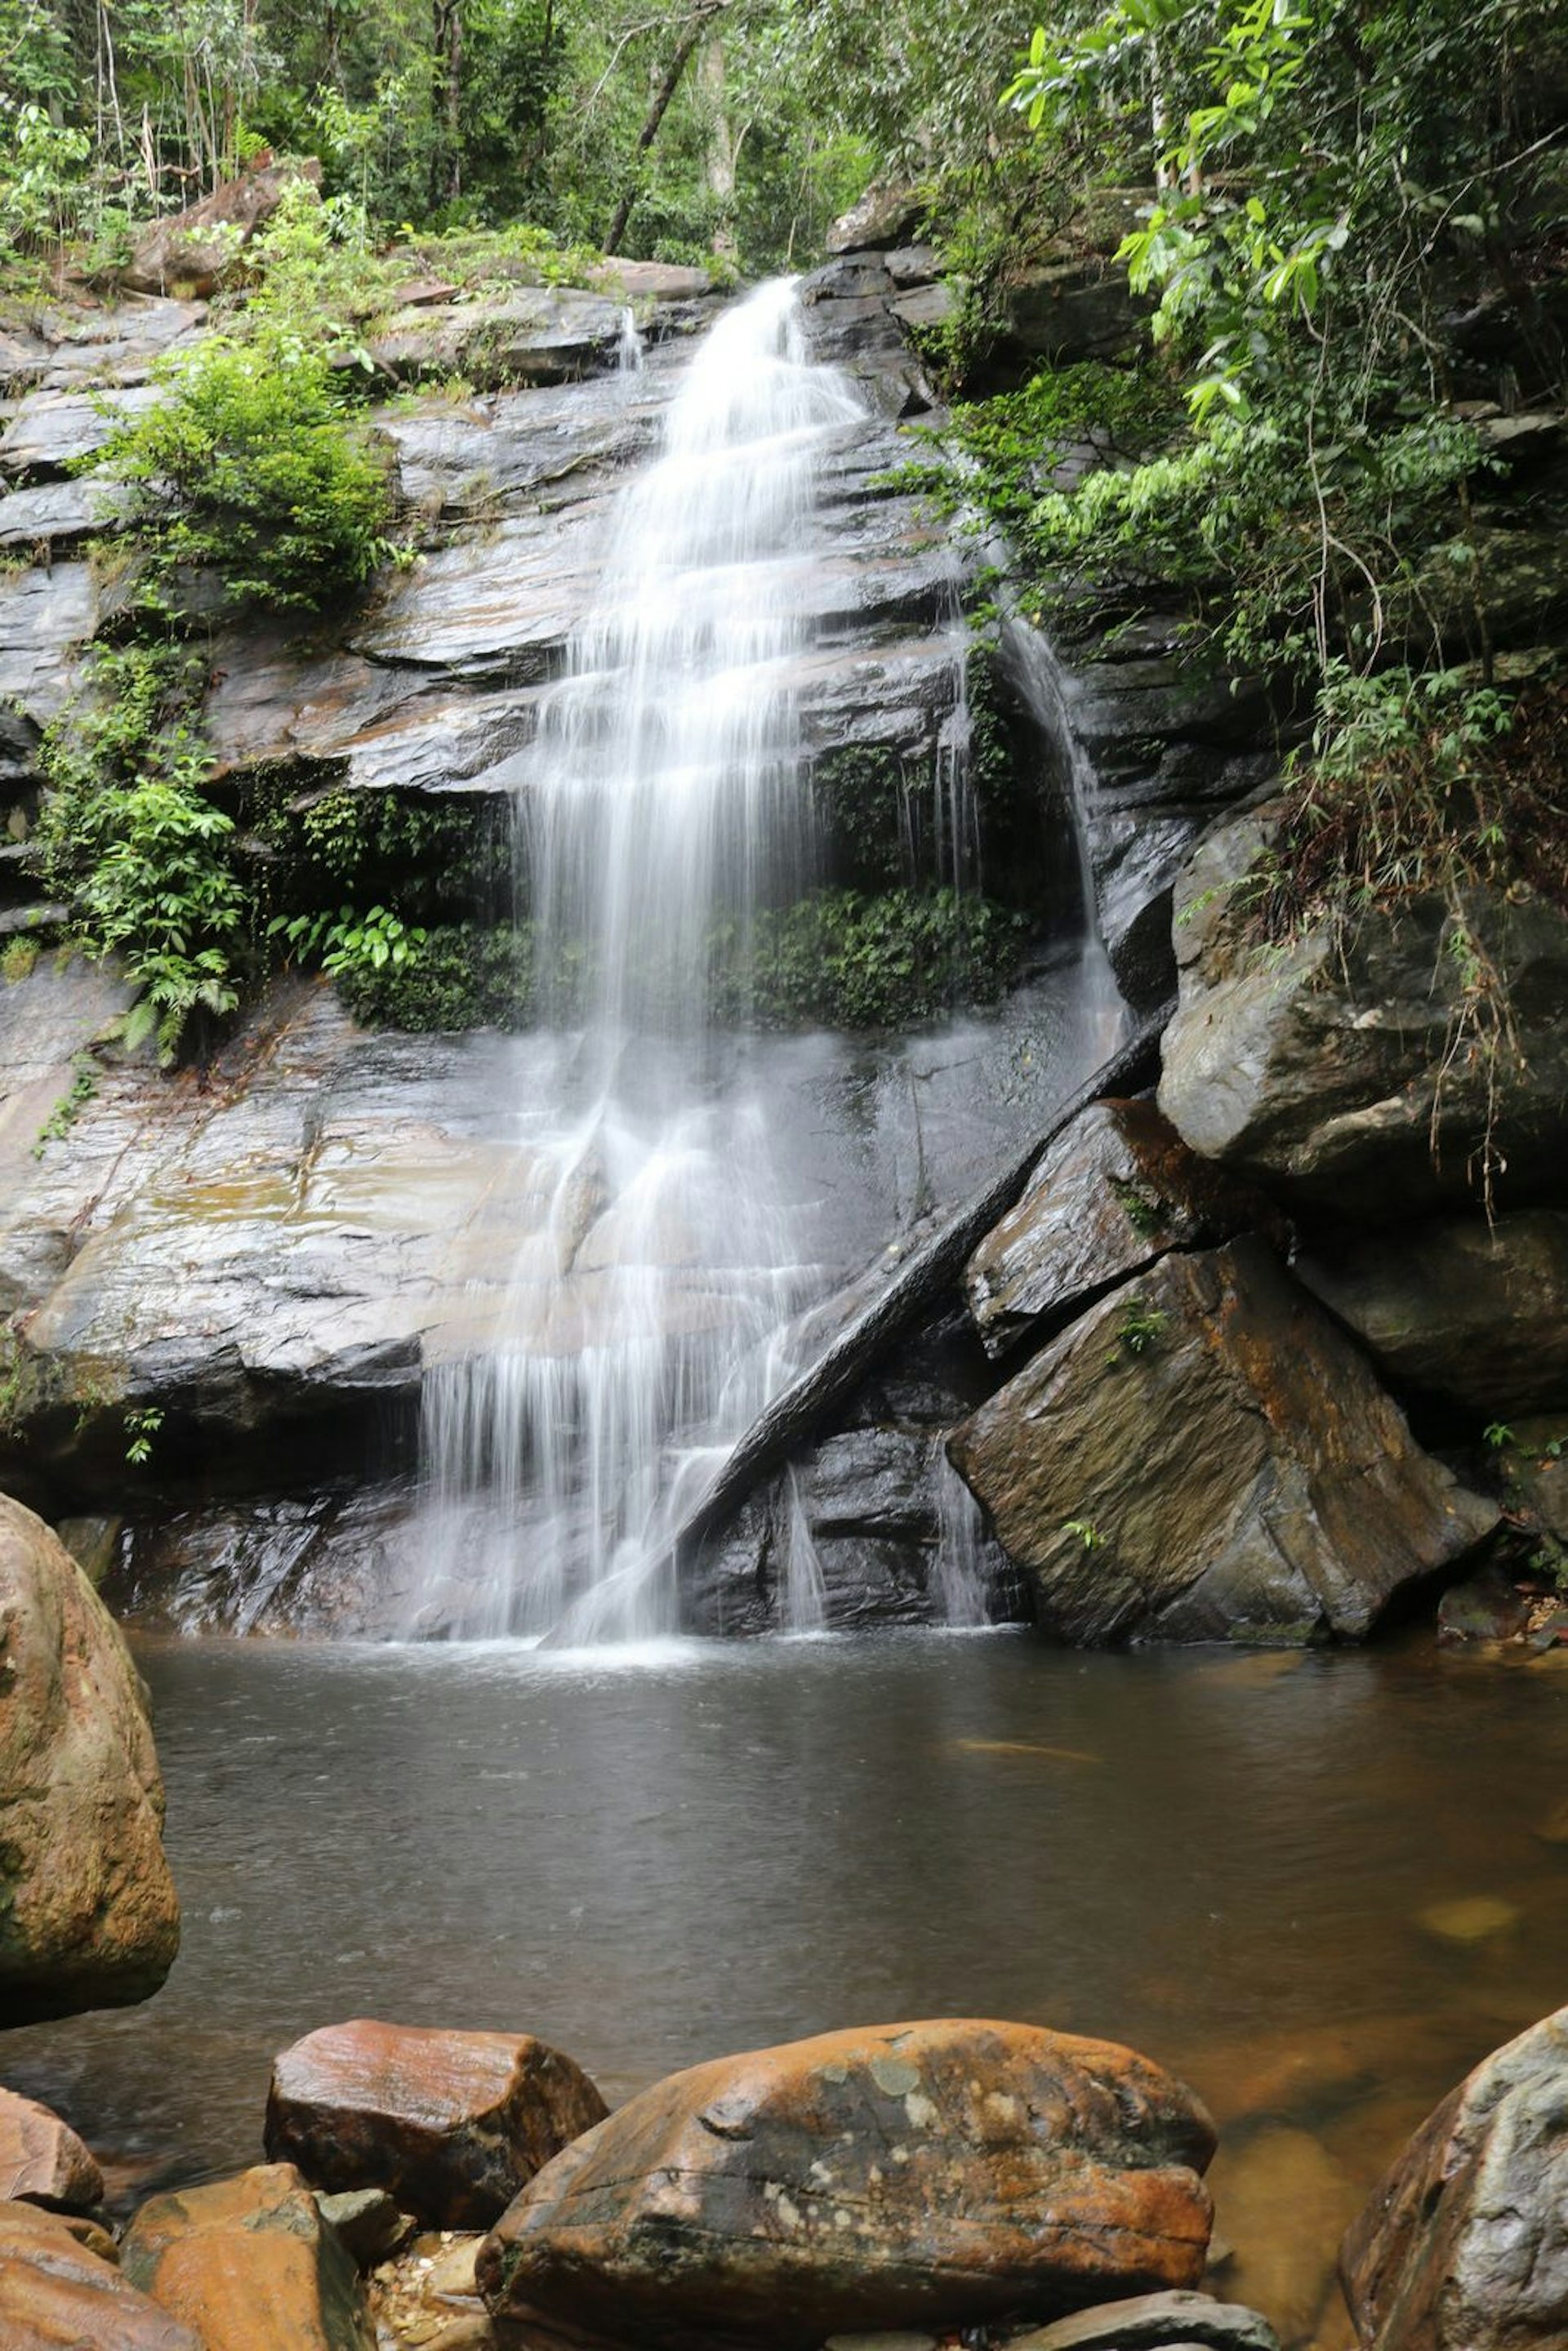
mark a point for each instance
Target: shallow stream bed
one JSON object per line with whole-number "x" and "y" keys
{"x": 1317, "y": 1886}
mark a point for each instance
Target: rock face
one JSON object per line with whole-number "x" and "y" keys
{"x": 1472, "y": 1314}
{"x": 194, "y": 250}
{"x": 42, "y": 2161}
{"x": 1462, "y": 2247}
{"x": 1331, "y": 1071}
{"x": 58, "y": 2294}
{"x": 248, "y": 2265}
{"x": 89, "y": 1917}
{"x": 451, "y": 2124}
{"x": 1203, "y": 1456}
{"x": 933, "y": 2174}
{"x": 1114, "y": 1193}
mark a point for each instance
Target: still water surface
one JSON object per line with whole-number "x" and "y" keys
{"x": 1223, "y": 1860}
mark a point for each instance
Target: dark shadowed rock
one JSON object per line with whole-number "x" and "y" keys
{"x": 1471, "y": 1313}
{"x": 89, "y": 1917}
{"x": 1203, "y": 1456}
{"x": 42, "y": 2161}
{"x": 1116, "y": 1191}
{"x": 248, "y": 2265}
{"x": 58, "y": 2294}
{"x": 1462, "y": 2247}
{"x": 450, "y": 2123}
{"x": 1487, "y": 1606}
{"x": 932, "y": 2175}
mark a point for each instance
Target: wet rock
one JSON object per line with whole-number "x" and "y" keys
{"x": 1462, "y": 2247}
{"x": 89, "y": 1917}
{"x": 1154, "y": 2321}
{"x": 194, "y": 251}
{"x": 923, "y": 2175}
{"x": 42, "y": 2161}
{"x": 57, "y": 2295}
{"x": 1203, "y": 1456}
{"x": 1471, "y": 1313}
{"x": 1326, "y": 1069}
{"x": 248, "y": 2265}
{"x": 1114, "y": 1193}
{"x": 51, "y": 432}
{"x": 543, "y": 334}
{"x": 450, "y": 2123}
{"x": 1487, "y": 1606}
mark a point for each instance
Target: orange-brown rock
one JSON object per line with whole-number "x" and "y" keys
{"x": 89, "y": 1917}
{"x": 450, "y": 2123}
{"x": 42, "y": 2160}
{"x": 248, "y": 2265}
{"x": 931, "y": 2175}
{"x": 197, "y": 248}
{"x": 56, "y": 2295}
{"x": 1464, "y": 2246}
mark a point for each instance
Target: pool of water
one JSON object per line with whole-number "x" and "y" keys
{"x": 1319, "y": 1885}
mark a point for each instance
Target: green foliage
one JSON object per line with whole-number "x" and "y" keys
{"x": 348, "y": 943}
{"x": 854, "y": 961}
{"x": 1085, "y": 1531}
{"x": 141, "y": 1426}
{"x": 18, "y": 960}
{"x": 252, "y": 471}
{"x": 70, "y": 1105}
{"x": 454, "y": 975}
{"x": 1139, "y": 1329}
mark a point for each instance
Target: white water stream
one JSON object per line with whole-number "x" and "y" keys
{"x": 663, "y": 802}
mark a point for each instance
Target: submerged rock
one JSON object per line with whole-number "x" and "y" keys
{"x": 450, "y": 2123}
{"x": 1118, "y": 1190}
{"x": 1462, "y": 2247}
{"x": 42, "y": 2161}
{"x": 933, "y": 2175}
{"x": 248, "y": 2265}
{"x": 60, "y": 2295}
{"x": 1203, "y": 1456}
{"x": 89, "y": 1916}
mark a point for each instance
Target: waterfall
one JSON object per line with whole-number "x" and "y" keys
{"x": 663, "y": 803}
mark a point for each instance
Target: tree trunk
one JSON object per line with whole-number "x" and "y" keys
{"x": 720, "y": 147}
{"x": 658, "y": 109}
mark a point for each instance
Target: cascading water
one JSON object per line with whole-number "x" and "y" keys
{"x": 663, "y": 803}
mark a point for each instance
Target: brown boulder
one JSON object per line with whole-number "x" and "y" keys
{"x": 450, "y": 2123}
{"x": 42, "y": 2161}
{"x": 933, "y": 2175}
{"x": 196, "y": 249}
{"x": 1203, "y": 1456}
{"x": 89, "y": 1917}
{"x": 56, "y": 2295}
{"x": 1116, "y": 1190}
{"x": 1463, "y": 2246}
{"x": 248, "y": 2265}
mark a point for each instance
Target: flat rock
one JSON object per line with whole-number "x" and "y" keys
{"x": 42, "y": 2160}
{"x": 52, "y": 431}
{"x": 1456, "y": 1309}
{"x": 1462, "y": 2246}
{"x": 931, "y": 2175}
{"x": 248, "y": 2265}
{"x": 1114, "y": 1193}
{"x": 546, "y": 334}
{"x": 57, "y": 2295}
{"x": 89, "y": 1916}
{"x": 1203, "y": 1456}
{"x": 452, "y": 2125}
{"x": 1155, "y": 2321}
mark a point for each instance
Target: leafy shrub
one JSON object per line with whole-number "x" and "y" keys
{"x": 857, "y": 962}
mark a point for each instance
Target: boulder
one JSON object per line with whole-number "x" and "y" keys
{"x": 883, "y": 217}
{"x": 1355, "y": 1070}
{"x": 248, "y": 2265}
{"x": 1462, "y": 2247}
{"x": 931, "y": 2175}
{"x": 1114, "y": 1193}
{"x": 1151, "y": 2322}
{"x": 196, "y": 249}
{"x": 1471, "y": 1314}
{"x": 450, "y": 2123}
{"x": 42, "y": 2161}
{"x": 58, "y": 2294}
{"x": 89, "y": 1916}
{"x": 1203, "y": 1456}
